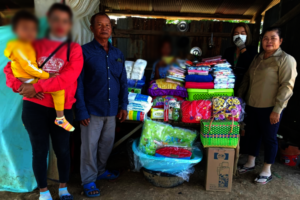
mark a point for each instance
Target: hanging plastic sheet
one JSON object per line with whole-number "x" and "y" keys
{"x": 16, "y": 173}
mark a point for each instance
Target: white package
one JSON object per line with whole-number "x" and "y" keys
{"x": 138, "y": 69}
{"x": 129, "y": 66}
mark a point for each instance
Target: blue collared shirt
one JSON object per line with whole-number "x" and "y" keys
{"x": 102, "y": 84}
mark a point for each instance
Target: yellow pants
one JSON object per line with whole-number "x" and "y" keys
{"x": 58, "y": 96}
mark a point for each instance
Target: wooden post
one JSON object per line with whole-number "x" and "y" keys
{"x": 256, "y": 31}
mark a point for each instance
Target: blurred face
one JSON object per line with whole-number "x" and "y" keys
{"x": 166, "y": 49}
{"x": 101, "y": 27}
{"x": 271, "y": 41}
{"x": 26, "y": 30}
{"x": 240, "y": 31}
{"x": 60, "y": 23}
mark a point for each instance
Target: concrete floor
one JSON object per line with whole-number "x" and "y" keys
{"x": 133, "y": 186}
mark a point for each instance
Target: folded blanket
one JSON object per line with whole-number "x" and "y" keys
{"x": 199, "y": 78}
{"x": 195, "y": 85}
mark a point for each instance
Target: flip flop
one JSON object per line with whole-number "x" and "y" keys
{"x": 244, "y": 169}
{"x": 267, "y": 179}
{"x": 109, "y": 175}
{"x": 91, "y": 187}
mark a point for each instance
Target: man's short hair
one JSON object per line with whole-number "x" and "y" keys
{"x": 23, "y": 15}
{"x": 98, "y": 14}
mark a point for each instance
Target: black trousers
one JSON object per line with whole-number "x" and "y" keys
{"x": 259, "y": 130}
{"x": 39, "y": 123}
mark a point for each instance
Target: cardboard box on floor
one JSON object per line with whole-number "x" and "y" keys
{"x": 220, "y": 164}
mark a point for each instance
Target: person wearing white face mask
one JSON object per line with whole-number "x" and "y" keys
{"x": 242, "y": 53}
{"x": 240, "y": 56}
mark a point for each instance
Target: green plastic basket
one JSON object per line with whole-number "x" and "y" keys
{"x": 200, "y": 94}
{"x": 220, "y": 134}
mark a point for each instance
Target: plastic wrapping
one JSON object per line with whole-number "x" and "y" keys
{"x": 139, "y": 102}
{"x": 228, "y": 107}
{"x": 156, "y": 135}
{"x": 136, "y": 83}
{"x": 138, "y": 69}
{"x": 128, "y": 67}
{"x": 194, "y": 111}
{"x": 179, "y": 167}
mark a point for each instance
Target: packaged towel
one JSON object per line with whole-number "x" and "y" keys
{"x": 195, "y": 85}
{"x": 199, "y": 78}
{"x": 154, "y": 91}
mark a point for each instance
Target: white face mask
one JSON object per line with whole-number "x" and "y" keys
{"x": 243, "y": 37}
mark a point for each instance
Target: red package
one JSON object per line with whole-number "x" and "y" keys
{"x": 194, "y": 111}
{"x": 195, "y": 85}
{"x": 173, "y": 152}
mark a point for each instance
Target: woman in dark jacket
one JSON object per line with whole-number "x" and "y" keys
{"x": 241, "y": 54}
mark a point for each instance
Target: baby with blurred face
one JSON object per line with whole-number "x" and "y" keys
{"x": 23, "y": 61}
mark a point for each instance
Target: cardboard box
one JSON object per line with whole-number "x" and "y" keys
{"x": 219, "y": 173}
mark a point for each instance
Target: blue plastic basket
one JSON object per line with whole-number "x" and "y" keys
{"x": 163, "y": 164}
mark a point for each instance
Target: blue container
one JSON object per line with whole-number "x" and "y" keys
{"x": 163, "y": 164}
{"x": 136, "y": 83}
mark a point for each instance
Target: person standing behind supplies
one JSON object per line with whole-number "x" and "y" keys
{"x": 268, "y": 86}
{"x": 242, "y": 53}
{"x": 102, "y": 92}
{"x": 161, "y": 67}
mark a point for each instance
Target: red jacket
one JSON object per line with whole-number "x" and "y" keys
{"x": 68, "y": 72}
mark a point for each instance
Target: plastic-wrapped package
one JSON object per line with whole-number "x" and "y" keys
{"x": 224, "y": 86}
{"x": 139, "y": 102}
{"x": 128, "y": 67}
{"x": 135, "y": 115}
{"x": 136, "y": 83}
{"x": 228, "y": 107}
{"x": 157, "y": 113}
{"x": 156, "y": 135}
{"x": 158, "y": 102}
{"x": 138, "y": 69}
{"x": 194, "y": 111}
{"x": 175, "y": 166}
{"x": 201, "y": 70}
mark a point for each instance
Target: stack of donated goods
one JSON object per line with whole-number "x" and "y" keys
{"x": 138, "y": 106}
{"x": 198, "y": 76}
{"x": 135, "y": 75}
{"x": 167, "y": 149}
{"x": 224, "y": 77}
{"x": 176, "y": 74}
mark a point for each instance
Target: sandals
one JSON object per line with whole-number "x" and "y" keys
{"x": 109, "y": 175}
{"x": 266, "y": 178}
{"x": 244, "y": 169}
{"x": 91, "y": 187}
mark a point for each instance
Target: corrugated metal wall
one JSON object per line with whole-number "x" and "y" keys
{"x": 146, "y": 46}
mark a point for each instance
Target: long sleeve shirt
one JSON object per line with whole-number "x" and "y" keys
{"x": 68, "y": 72}
{"x": 102, "y": 85}
{"x": 23, "y": 57}
{"x": 270, "y": 82}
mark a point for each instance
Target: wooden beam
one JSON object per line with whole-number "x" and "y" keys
{"x": 288, "y": 16}
{"x": 261, "y": 10}
{"x": 126, "y": 33}
{"x": 178, "y": 15}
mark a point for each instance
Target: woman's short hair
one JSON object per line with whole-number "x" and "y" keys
{"x": 60, "y": 7}
{"x": 247, "y": 29}
{"x": 275, "y": 28}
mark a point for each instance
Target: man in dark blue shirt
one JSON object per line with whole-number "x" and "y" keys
{"x": 102, "y": 92}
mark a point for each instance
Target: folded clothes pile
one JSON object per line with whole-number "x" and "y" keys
{"x": 224, "y": 77}
{"x": 176, "y": 73}
{"x": 199, "y": 78}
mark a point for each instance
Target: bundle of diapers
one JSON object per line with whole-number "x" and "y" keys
{"x": 139, "y": 102}
{"x": 138, "y": 69}
{"x": 128, "y": 67}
